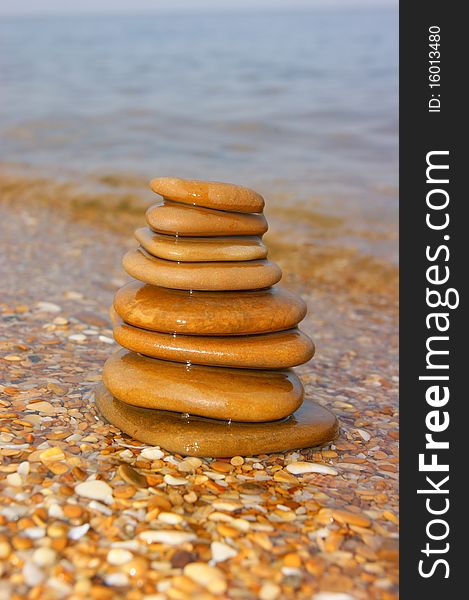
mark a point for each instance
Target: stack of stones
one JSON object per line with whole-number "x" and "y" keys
{"x": 208, "y": 338}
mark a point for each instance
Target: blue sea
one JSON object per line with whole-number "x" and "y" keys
{"x": 301, "y": 105}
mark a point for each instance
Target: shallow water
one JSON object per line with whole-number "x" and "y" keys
{"x": 302, "y": 106}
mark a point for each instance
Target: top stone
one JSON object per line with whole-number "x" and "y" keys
{"x": 210, "y": 194}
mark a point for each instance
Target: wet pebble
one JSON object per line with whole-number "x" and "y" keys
{"x": 209, "y": 577}
{"x": 130, "y": 475}
{"x": 95, "y": 490}
{"x": 222, "y": 552}
{"x": 173, "y": 538}
{"x": 119, "y": 556}
{"x": 301, "y": 467}
{"x": 152, "y": 453}
{"x": 44, "y": 557}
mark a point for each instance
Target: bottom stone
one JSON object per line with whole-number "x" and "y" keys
{"x": 311, "y": 425}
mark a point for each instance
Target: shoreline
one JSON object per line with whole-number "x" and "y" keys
{"x": 316, "y": 249}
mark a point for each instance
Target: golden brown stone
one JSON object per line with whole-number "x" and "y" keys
{"x": 311, "y": 425}
{"x": 208, "y": 313}
{"x": 194, "y": 221}
{"x": 198, "y": 249}
{"x": 239, "y": 394}
{"x": 278, "y": 350}
{"x": 212, "y": 194}
{"x": 130, "y": 475}
{"x": 207, "y": 276}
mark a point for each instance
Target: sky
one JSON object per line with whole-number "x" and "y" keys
{"x": 30, "y": 7}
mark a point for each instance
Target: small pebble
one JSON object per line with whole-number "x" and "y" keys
{"x": 5, "y": 550}
{"x": 116, "y": 579}
{"x": 214, "y": 476}
{"x": 95, "y": 505}
{"x": 209, "y": 577}
{"x": 226, "y": 505}
{"x": 75, "y": 533}
{"x": 60, "y": 321}
{"x": 56, "y": 511}
{"x": 43, "y": 406}
{"x": 269, "y": 591}
{"x": 136, "y": 568}
{"x": 77, "y": 337}
{"x": 188, "y": 465}
{"x": 299, "y": 468}
{"x": 190, "y": 497}
{"x": 94, "y": 489}
{"x": 182, "y": 557}
{"x": 170, "y": 480}
{"x": 23, "y": 468}
{"x": 34, "y": 533}
{"x": 221, "y": 552}
{"x": 48, "y": 307}
{"x": 51, "y": 454}
{"x": 173, "y": 538}
{"x": 57, "y": 530}
{"x": 44, "y": 557}
{"x": 14, "y": 479}
{"x": 350, "y": 518}
{"x": 56, "y": 389}
{"x": 73, "y": 511}
{"x": 119, "y": 556}
{"x": 221, "y": 467}
{"x": 170, "y": 518}
{"x": 72, "y": 295}
{"x": 32, "y": 574}
{"x": 130, "y": 475}
{"x": 152, "y": 453}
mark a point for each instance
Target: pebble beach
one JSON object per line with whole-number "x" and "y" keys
{"x": 87, "y": 512}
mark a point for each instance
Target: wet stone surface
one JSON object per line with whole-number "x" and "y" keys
{"x": 75, "y": 523}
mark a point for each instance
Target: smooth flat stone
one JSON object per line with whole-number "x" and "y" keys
{"x": 194, "y": 221}
{"x": 310, "y": 426}
{"x": 215, "y": 392}
{"x": 199, "y": 249}
{"x": 208, "y": 313}
{"x": 279, "y": 350}
{"x": 202, "y": 276}
{"x": 212, "y": 194}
